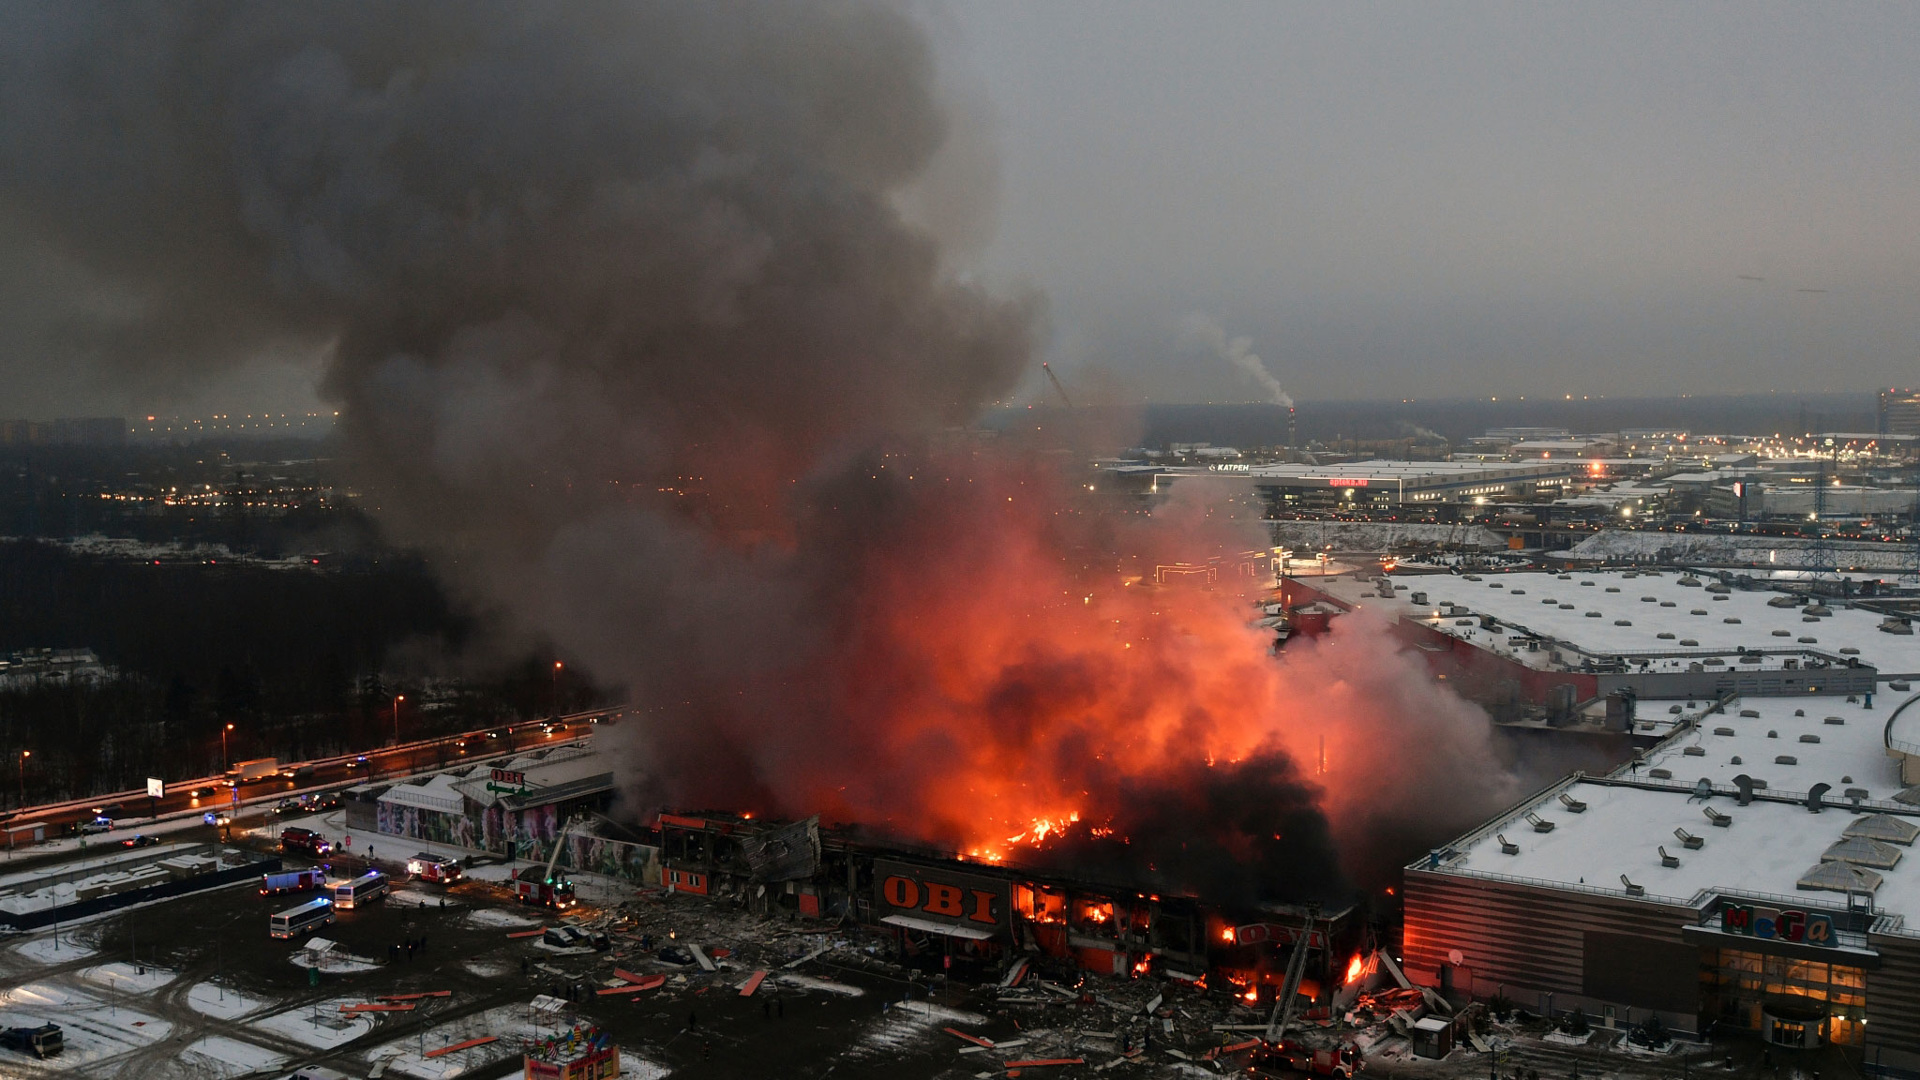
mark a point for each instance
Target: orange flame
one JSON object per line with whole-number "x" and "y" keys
{"x": 1353, "y": 969}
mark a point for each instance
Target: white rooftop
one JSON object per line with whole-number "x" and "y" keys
{"x": 1765, "y": 850}
{"x": 1610, "y": 612}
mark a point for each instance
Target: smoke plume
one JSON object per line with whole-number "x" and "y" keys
{"x": 627, "y": 330}
{"x": 1202, "y": 328}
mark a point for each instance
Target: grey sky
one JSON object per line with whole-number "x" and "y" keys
{"x": 1459, "y": 199}
{"x": 1389, "y": 200}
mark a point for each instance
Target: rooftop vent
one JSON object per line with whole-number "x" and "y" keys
{"x": 1724, "y": 731}
{"x": 1506, "y": 847}
{"x": 1539, "y": 823}
{"x": 1669, "y": 861}
{"x": 1623, "y": 622}
{"x": 1716, "y": 817}
{"x": 1689, "y": 642}
{"x": 1834, "y": 720}
{"x": 1572, "y": 804}
{"x": 1810, "y": 738}
{"x": 1632, "y": 889}
{"x": 1688, "y": 840}
{"x": 1665, "y": 636}
{"x": 1660, "y": 774}
{"x": 1786, "y": 759}
{"x": 1694, "y": 751}
{"x": 1668, "y": 603}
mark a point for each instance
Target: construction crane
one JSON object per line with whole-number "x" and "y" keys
{"x": 1057, "y": 388}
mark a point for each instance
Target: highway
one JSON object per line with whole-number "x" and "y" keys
{"x": 211, "y": 793}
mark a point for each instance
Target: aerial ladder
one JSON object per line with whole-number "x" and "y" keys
{"x": 1057, "y": 388}
{"x": 1282, "y": 1015}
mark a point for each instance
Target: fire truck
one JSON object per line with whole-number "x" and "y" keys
{"x": 1341, "y": 1062}
{"x": 535, "y": 885}
{"x": 434, "y": 869}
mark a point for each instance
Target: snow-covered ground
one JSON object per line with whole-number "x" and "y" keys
{"x": 1307, "y": 536}
{"x": 508, "y": 1023}
{"x": 129, "y": 979}
{"x": 321, "y": 1025}
{"x": 95, "y": 1027}
{"x": 53, "y": 948}
{"x": 218, "y": 1056}
{"x": 1721, "y": 550}
{"x": 507, "y": 920}
{"x": 218, "y": 1001}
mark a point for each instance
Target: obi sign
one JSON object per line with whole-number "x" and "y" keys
{"x": 938, "y": 893}
{"x": 1775, "y": 924}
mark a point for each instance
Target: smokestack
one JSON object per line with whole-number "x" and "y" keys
{"x": 1293, "y": 429}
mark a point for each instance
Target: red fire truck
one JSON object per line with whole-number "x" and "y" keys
{"x": 1340, "y": 1062}
{"x": 433, "y": 868}
{"x": 533, "y": 886}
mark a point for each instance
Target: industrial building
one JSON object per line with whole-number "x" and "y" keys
{"x": 975, "y": 915}
{"x": 1650, "y": 633}
{"x": 1375, "y": 484}
{"x": 1749, "y": 873}
{"x": 1899, "y": 412}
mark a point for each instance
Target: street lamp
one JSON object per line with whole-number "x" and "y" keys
{"x": 226, "y": 762}
{"x": 554, "y": 700}
{"x": 24, "y": 755}
{"x": 397, "y": 699}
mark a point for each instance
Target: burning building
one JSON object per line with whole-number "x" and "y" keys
{"x": 972, "y": 917}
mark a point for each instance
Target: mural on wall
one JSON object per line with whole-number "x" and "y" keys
{"x": 396, "y": 819}
{"x": 528, "y": 834}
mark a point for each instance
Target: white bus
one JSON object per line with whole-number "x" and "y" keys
{"x": 359, "y": 891}
{"x": 304, "y": 919}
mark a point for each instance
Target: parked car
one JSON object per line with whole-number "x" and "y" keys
{"x": 97, "y": 825}
{"x": 286, "y": 807}
{"x": 140, "y": 840}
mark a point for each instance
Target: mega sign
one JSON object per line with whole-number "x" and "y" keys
{"x": 1775, "y": 924}
{"x": 939, "y": 893}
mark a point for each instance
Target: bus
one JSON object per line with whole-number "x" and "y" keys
{"x": 304, "y": 919}
{"x": 364, "y": 889}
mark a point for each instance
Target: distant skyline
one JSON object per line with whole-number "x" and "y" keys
{"x": 1438, "y": 201}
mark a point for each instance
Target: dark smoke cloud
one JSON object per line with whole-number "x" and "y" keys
{"x": 627, "y": 329}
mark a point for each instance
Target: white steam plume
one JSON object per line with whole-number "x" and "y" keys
{"x": 1238, "y": 351}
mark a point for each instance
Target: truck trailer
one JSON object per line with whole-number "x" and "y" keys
{"x": 257, "y": 769}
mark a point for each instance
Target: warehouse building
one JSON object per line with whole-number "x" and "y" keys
{"x": 1750, "y": 873}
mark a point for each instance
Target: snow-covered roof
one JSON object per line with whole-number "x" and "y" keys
{"x": 436, "y": 791}
{"x": 563, "y": 766}
{"x": 1631, "y": 610}
{"x": 1758, "y": 731}
{"x": 1773, "y": 846}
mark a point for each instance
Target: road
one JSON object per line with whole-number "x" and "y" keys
{"x": 213, "y": 793}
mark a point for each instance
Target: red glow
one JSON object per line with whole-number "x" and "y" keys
{"x": 985, "y": 684}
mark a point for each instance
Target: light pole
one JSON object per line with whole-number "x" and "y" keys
{"x": 553, "y": 701}
{"x": 225, "y": 761}
{"x": 24, "y": 755}
{"x": 397, "y": 699}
